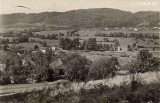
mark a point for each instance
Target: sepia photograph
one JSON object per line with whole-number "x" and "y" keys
{"x": 79, "y": 51}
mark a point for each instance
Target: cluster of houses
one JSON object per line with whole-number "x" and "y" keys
{"x": 57, "y": 65}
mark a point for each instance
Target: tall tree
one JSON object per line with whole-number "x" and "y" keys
{"x": 91, "y": 44}
{"x": 7, "y": 41}
{"x": 129, "y": 47}
{"x": 106, "y": 47}
{"x": 99, "y": 46}
{"x": 44, "y": 44}
{"x": 36, "y": 47}
{"x": 77, "y": 68}
{"x": 134, "y": 45}
{"x": 116, "y": 43}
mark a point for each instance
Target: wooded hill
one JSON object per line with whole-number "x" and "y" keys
{"x": 102, "y": 17}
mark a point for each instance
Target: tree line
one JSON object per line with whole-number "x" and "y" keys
{"x": 130, "y": 35}
{"x": 18, "y": 39}
{"x": 88, "y": 44}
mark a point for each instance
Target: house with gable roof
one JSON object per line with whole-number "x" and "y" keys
{"x": 58, "y": 67}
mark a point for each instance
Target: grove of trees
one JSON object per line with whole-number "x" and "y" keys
{"x": 144, "y": 62}
{"x": 128, "y": 35}
{"x": 103, "y": 67}
{"x": 88, "y": 44}
{"x": 69, "y": 44}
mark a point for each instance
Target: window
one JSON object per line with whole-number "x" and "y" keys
{"x": 61, "y": 72}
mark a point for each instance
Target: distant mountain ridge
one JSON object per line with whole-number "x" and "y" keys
{"x": 102, "y": 17}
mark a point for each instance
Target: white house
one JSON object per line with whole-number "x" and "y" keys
{"x": 106, "y": 28}
{"x": 122, "y": 48}
{"x": 53, "y": 48}
{"x": 119, "y": 48}
{"x": 12, "y": 80}
{"x": 2, "y": 67}
{"x": 44, "y": 51}
{"x": 56, "y": 48}
{"x": 23, "y": 62}
{"x": 135, "y": 29}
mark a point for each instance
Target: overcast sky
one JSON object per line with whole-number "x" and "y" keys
{"x": 36, "y": 6}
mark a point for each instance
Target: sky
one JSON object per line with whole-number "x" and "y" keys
{"x": 37, "y": 6}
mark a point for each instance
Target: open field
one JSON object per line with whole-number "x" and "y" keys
{"x": 49, "y": 42}
{"x": 155, "y": 53}
{"x": 28, "y": 45}
{"x": 122, "y": 60}
{"x": 10, "y": 38}
{"x": 94, "y": 55}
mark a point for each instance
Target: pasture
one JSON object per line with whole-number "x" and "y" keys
{"x": 27, "y": 45}
{"x": 49, "y": 42}
{"x": 155, "y": 53}
{"x": 93, "y": 55}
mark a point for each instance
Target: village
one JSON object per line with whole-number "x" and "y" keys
{"x": 27, "y": 55}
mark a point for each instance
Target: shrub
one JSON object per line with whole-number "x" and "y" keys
{"x": 5, "y": 80}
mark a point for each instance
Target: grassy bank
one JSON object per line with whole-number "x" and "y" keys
{"x": 112, "y": 90}
{"x": 99, "y": 94}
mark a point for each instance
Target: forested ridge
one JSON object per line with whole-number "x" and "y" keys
{"x": 101, "y": 17}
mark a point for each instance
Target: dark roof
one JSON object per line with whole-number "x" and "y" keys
{"x": 56, "y": 63}
{"x": 61, "y": 67}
